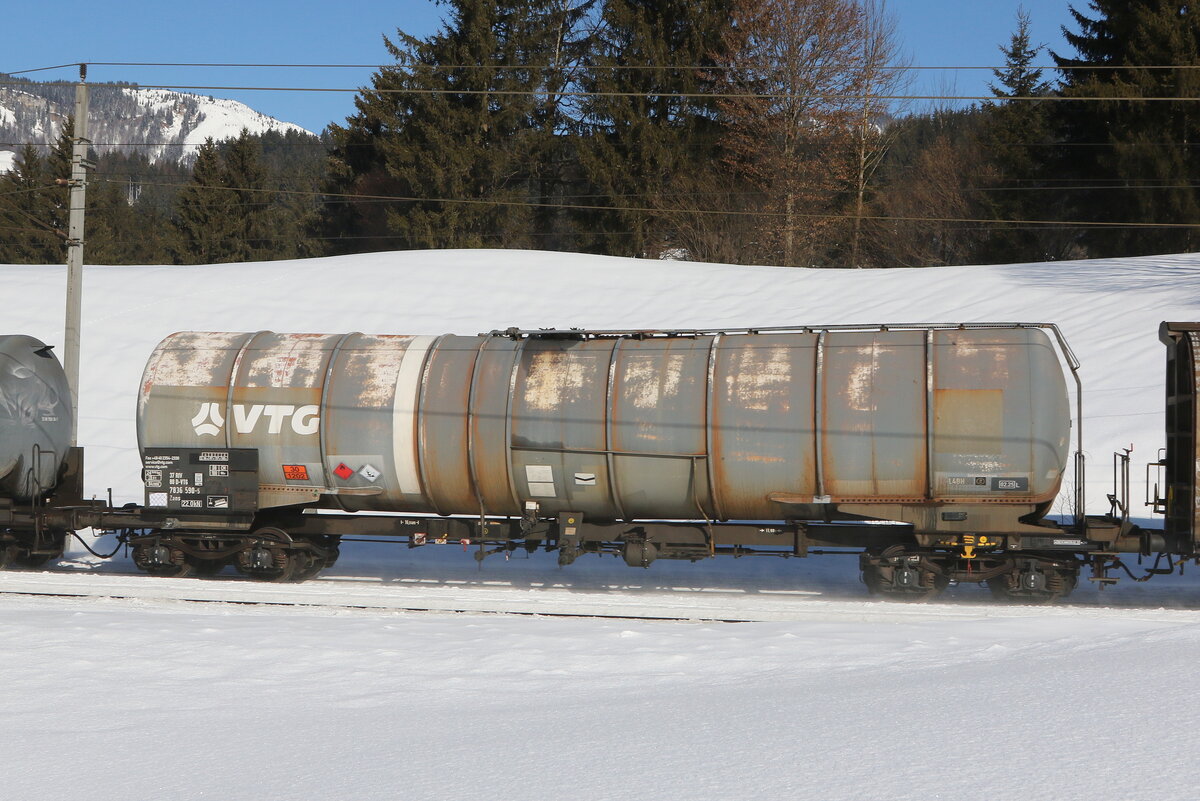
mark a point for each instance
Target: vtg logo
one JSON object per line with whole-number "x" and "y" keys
{"x": 305, "y": 420}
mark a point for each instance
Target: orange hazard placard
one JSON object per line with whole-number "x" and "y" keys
{"x": 295, "y": 472}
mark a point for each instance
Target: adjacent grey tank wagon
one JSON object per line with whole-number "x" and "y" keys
{"x": 35, "y": 439}
{"x": 935, "y": 451}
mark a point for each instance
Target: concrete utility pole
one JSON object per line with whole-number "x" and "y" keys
{"x": 75, "y": 207}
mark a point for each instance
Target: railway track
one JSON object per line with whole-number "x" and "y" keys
{"x": 114, "y": 588}
{"x": 418, "y": 595}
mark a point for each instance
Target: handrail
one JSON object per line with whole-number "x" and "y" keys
{"x": 588, "y": 333}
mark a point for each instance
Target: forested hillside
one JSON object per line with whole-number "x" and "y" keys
{"x": 743, "y": 131}
{"x": 124, "y": 118}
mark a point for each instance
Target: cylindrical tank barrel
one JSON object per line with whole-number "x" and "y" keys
{"x": 35, "y": 417}
{"x": 624, "y": 426}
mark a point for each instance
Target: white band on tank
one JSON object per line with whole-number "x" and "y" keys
{"x": 404, "y": 415}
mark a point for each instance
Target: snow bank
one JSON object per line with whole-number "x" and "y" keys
{"x": 845, "y": 699}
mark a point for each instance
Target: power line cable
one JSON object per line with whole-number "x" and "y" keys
{"x": 699, "y": 212}
{"x": 314, "y": 141}
{"x": 30, "y": 190}
{"x": 549, "y": 93}
{"x": 616, "y": 67}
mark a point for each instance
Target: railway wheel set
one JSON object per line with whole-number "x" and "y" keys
{"x": 268, "y": 554}
{"x": 903, "y": 574}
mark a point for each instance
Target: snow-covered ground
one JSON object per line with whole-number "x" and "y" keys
{"x": 828, "y": 696}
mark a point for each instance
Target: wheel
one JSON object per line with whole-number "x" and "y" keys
{"x": 26, "y": 557}
{"x": 9, "y": 553}
{"x": 308, "y": 565}
{"x": 897, "y": 574}
{"x": 161, "y": 561}
{"x": 269, "y": 557}
{"x": 1031, "y": 582}
{"x": 268, "y": 563}
{"x": 328, "y": 550}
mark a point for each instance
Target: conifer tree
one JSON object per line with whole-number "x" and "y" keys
{"x": 1017, "y": 136}
{"x": 1138, "y": 156}
{"x": 256, "y": 222}
{"x": 128, "y": 220}
{"x": 33, "y": 204}
{"x": 58, "y": 166}
{"x": 647, "y": 130}
{"x": 227, "y": 213}
{"x": 28, "y": 213}
{"x": 206, "y": 213}
{"x": 456, "y": 151}
{"x": 295, "y": 164}
{"x": 121, "y": 230}
{"x": 464, "y": 128}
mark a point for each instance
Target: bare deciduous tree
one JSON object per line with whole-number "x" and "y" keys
{"x": 883, "y": 73}
{"x": 928, "y": 211}
{"x": 806, "y": 83}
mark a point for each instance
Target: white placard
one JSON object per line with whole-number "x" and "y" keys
{"x": 541, "y": 473}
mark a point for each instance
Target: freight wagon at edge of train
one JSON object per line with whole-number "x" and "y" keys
{"x": 35, "y": 439}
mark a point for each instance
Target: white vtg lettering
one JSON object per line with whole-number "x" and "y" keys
{"x": 304, "y": 420}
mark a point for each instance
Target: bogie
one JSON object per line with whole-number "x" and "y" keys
{"x": 159, "y": 559}
{"x": 1035, "y": 581}
{"x": 899, "y": 573}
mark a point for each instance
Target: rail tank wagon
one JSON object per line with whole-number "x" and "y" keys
{"x": 946, "y": 430}
{"x": 756, "y": 426}
{"x": 35, "y": 418}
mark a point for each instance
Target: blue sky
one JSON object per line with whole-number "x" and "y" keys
{"x": 935, "y": 33}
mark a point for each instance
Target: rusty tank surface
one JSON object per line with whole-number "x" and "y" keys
{"x": 949, "y": 429}
{"x": 35, "y": 418}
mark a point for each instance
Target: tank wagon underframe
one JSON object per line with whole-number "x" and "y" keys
{"x": 293, "y": 544}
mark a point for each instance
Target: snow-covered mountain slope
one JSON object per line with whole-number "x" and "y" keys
{"x": 158, "y": 123}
